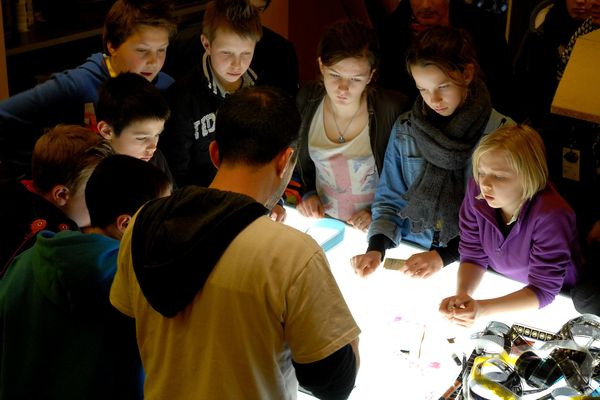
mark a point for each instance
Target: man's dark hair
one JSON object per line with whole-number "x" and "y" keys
{"x": 120, "y": 185}
{"x": 129, "y": 98}
{"x": 254, "y": 124}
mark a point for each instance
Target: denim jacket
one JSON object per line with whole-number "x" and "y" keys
{"x": 401, "y": 167}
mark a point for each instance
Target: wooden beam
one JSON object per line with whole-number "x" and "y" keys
{"x": 3, "y": 74}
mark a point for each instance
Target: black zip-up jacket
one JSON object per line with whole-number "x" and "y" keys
{"x": 194, "y": 101}
{"x": 384, "y": 107}
{"x": 190, "y": 129}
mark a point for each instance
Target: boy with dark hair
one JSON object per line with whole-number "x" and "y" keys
{"x": 230, "y": 31}
{"x": 57, "y": 328}
{"x": 131, "y": 116}
{"x": 62, "y": 161}
{"x": 136, "y": 36}
{"x": 272, "y": 282}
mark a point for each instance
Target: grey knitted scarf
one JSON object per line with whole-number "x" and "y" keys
{"x": 433, "y": 201}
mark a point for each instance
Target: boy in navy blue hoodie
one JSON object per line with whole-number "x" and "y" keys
{"x": 136, "y": 36}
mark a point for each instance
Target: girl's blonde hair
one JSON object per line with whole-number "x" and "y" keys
{"x": 525, "y": 153}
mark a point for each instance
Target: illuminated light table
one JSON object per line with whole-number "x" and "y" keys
{"x": 403, "y": 345}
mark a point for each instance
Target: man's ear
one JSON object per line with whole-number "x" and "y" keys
{"x": 105, "y": 130}
{"x": 283, "y": 160}
{"x": 205, "y": 43}
{"x": 59, "y": 195}
{"x": 213, "y": 152}
{"x": 122, "y": 222}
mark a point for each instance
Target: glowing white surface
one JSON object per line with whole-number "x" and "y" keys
{"x": 393, "y": 311}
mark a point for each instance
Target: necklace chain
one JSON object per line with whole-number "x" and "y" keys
{"x": 341, "y": 133}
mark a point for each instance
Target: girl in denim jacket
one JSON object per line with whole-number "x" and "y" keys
{"x": 426, "y": 162}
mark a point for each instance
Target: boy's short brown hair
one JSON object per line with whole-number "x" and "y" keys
{"x": 66, "y": 155}
{"x": 237, "y": 16}
{"x": 125, "y": 16}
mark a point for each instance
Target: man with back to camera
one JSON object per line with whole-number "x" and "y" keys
{"x": 228, "y": 303}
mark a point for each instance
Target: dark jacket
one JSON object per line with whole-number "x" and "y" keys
{"x": 23, "y": 214}
{"x": 190, "y": 129}
{"x": 384, "y": 107}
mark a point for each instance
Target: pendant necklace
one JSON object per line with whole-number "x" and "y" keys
{"x": 341, "y": 133}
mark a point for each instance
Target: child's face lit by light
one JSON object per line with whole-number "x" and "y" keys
{"x": 139, "y": 139}
{"x": 230, "y": 57}
{"x": 499, "y": 183}
{"x": 346, "y": 80}
{"x": 143, "y": 52}
{"x": 441, "y": 93}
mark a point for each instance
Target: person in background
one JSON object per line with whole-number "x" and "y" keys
{"x": 571, "y": 144}
{"x": 513, "y": 221}
{"x": 136, "y": 36}
{"x": 590, "y": 24}
{"x": 231, "y": 304}
{"x": 59, "y": 336}
{"x": 426, "y": 162}
{"x": 131, "y": 115}
{"x": 346, "y": 125}
{"x": 53, "y": 200}
{"x": 486, "y": 30}
{"x": 537, "y": 60}
{"x": 371, "y": 12}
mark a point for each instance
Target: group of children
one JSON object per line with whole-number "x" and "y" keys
{"x": 412, "y": 187}
{"x": 447, "y": 172}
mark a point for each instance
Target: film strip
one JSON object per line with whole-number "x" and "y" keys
{"x": 522, "y": 331}
{"x": 521, "y": 360}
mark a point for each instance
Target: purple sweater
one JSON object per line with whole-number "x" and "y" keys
{"x": 542, "y": 249}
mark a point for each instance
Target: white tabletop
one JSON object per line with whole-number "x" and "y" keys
{"x": 403, "y": 345}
